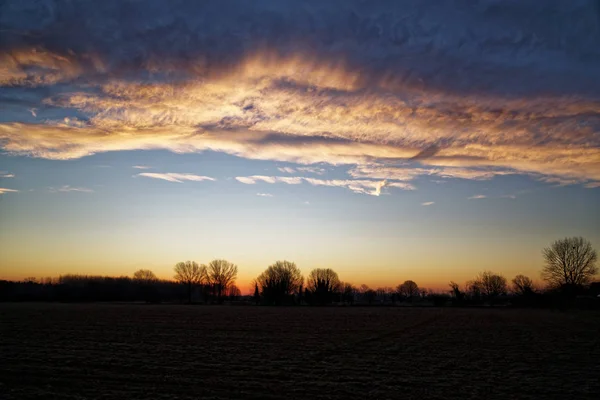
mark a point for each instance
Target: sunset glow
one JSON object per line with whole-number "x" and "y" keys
{"x": 385, "y": 140}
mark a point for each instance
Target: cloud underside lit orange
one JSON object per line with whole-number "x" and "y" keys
{"x": 302, "y": 110}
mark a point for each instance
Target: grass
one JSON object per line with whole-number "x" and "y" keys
{"x": 108, "y": 351}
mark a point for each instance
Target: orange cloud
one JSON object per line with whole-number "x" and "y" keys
{"x": 302, "y": 110}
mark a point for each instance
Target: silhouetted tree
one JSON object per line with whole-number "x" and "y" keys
{"x": 370, "y": 295}
{"x": 569, "y": 262}
{"x": 233, "y": 292}
{"x": 256, "y": 294}
{"x": 457, "y": 295}
{"x": 522, "y": 285}
{"x": 438, "y": 299}
{"x": 220, "y": 275}
{"x": 147, "y": 288}
{"x": 490, "y": 285}
{"x": 348, "y": 293}
{"x": 144, "y": 275}
{"x": 475, "y": 290}
{"x": 190, "y": 274}
{"x": 279, "y": 282}
{"x": 408, "y": 289}
{"x": 300, "y": 294}
{"x": 323, "y": 282}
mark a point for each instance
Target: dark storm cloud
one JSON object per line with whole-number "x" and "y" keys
{"x": 501, "y": 46}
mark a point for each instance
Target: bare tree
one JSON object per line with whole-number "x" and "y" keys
{"x": 457, "y": 295}
{"x": 221, "y": 275}
{"x": 370, "y": 295}
{"x": 490, "y": 285}
{"x": 323, "y": 282}
{"x": 279, "y": 282}
{"x": 522, "y": 285}
{"x": 256, "y": 294}
{"x": 363, "y": 289}
{"x": 348, "y": 292}
{"x": 569, "y": 262}
{"x": 144, "y": 275}
{"x": 190, "y": 274}
{"x": 408, "y": 289}
{"x": 233, "y": 292}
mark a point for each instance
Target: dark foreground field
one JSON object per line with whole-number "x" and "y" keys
{"x": 180, "y": 352}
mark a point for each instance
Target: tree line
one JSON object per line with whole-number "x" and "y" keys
{"x": 570, "y": 266}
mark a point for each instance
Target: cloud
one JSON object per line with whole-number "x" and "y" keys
{"x": 561, "y": 181}
{"x": 68, "y": 188}
{"x": 393, "y": 90}
{"x": 477, "y": 197}
{"x": 428, "y": 203}
{"x": 251, "y": 180}
{"x": 299, "y": 169}
{"x": 6, "y": 175}
{"x": 370, "y": 187}
{"x": 264, "y": 194}
{"x": 176, "y": 177}
{"x": 5, "y": 190}
{"x": 312, "y": 170}
{"x": 427, "y": 152}
{"x": 287, "y": 170}
{"x": 408, "y": 172}
{"x": 141, "y": 167}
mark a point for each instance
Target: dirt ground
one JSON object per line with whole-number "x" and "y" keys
{"x": 106, "y": 351}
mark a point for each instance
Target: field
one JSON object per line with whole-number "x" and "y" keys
{"x": 62, "y": 351}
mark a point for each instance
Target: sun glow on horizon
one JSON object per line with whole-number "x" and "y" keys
{"x": 403, "y": 141}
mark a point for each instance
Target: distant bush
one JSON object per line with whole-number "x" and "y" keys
{"x": 85, "y": 288}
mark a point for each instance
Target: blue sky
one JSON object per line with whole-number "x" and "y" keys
{"x": 388, "y": 140}
{"x": 96, "y": 215}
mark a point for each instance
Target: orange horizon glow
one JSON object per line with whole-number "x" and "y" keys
{"x": 397, "y": 144}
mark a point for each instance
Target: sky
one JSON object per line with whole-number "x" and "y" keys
{"x": 388, "y": 140}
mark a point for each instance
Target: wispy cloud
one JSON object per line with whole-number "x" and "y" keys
{"x": 312, "y": 170}
{"x": 428, "y": 203}
{"x": 287, "y": 170}
{"x": 251, "y": 180}
{"x": 264, "y": 194}
{"x": 370, "y": 187}
{"x": 6, "y": 190}
{"x": 409, "y": 172}
{"x": 68, "y": 188}
{"x": 592, "y": 185}
{"x": 141, "y": 167}
{"x": 562, "y": 181}
{"x": 176, "y": 177}
{"x": 477, "y": 197}
{"x": 6, "y": 175}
